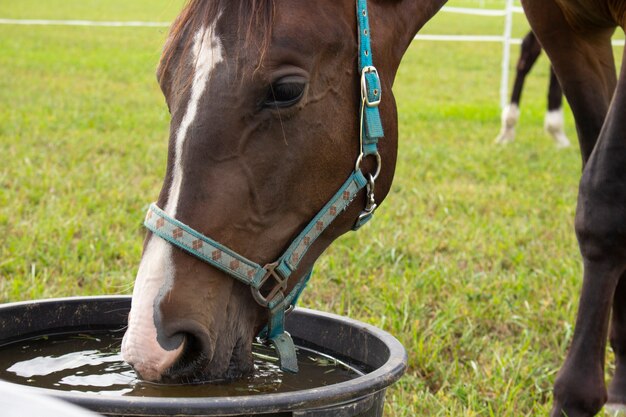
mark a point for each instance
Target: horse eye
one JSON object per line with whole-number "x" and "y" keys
{"x": 284, "y": 94}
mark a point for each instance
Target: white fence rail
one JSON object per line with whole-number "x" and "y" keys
{"x": 505, "y": 39}
{"x": 506, "y": 54}
{"x": 44, "y": 22}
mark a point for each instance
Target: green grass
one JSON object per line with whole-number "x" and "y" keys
{"x": 471, "y": 261}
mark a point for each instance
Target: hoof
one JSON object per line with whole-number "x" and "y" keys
{"x": 505, "y": 136}
{"x": 561, "y": 141}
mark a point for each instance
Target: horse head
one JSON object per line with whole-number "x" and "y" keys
{"x": 265, "y": 98}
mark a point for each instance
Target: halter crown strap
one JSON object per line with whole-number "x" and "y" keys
{"x": 278, "y": 273}
{"x": 371, "y": 91}
{"x": 371, "y": 95}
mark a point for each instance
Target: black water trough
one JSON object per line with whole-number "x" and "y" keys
{"x": 379, "y": 355}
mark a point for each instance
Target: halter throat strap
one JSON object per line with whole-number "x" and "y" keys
{"x": 269, "y": 283}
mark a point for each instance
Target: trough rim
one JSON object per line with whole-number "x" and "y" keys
{"x": 327, "y": 396}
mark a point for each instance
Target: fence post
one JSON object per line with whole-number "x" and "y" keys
{"x": 506, "y": 53}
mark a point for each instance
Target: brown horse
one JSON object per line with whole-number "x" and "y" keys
{"x": 264, "y": 97}
{"x": 264, "y": 103}
{"x": 576, "y": 34}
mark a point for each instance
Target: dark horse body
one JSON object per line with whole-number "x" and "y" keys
{"x": 264, "y": 98}
{"x": 576, "y": 35}
{"x": 553, "y": 124}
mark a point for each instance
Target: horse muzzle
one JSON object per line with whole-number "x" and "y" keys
{"x": 141, "y": 350}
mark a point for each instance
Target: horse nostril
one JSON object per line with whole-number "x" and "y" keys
{"x": 191, "y": 362}
{"x": 194, "y": 349}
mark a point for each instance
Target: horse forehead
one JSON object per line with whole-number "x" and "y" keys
{"x": 302, "y": 22}
{"x": 298, "y": 25}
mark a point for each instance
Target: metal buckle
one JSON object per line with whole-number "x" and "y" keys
{"x": 289, "y": 310}
{"x": 370, "y": 203}
{"x": 364, "y": 87}
{"x": 281, "y": 285}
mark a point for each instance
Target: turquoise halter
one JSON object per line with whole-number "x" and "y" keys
{"x": 279, "y": 272}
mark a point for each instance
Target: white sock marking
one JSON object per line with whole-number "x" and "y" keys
{"x": 554, "y": 125}
{"x": 510, "y": 115}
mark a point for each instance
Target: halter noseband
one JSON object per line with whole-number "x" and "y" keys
{"x": 278, "y": 273}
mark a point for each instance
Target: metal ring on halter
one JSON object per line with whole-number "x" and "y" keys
{"x": 378, "y": 164}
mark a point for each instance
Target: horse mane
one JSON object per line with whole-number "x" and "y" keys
{"x": 252, "y": 14}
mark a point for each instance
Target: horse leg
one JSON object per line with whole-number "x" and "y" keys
{"x": 585, "y": 67}
{"x": 554, "y": 117}
{"x": 605, "y": 177}
{"x": 583, "y": 63}
{"x": 617, "y": 388}
{"x": 529, "y": 53}
{"x": 579, "y": 389}
{"x": 599, "y": 223}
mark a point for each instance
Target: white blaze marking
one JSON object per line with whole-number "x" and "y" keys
{"x": 140, "y": 346}
{"x": 156, "y": 270}
{"x": 207, "y": 53}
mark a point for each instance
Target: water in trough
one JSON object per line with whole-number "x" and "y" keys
{"x": 92, "y": 363}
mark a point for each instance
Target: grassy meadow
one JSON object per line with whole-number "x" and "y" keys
{"x": 471, "y": 261}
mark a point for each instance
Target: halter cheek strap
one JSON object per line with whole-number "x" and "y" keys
{"x": 269, "y": 283}
{"x": 371, "y": 128}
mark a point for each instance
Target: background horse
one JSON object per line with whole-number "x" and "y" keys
{"x": 576, "y": 35}
{"x": 264, "y": 102}
{"x": 553, "y": 124}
